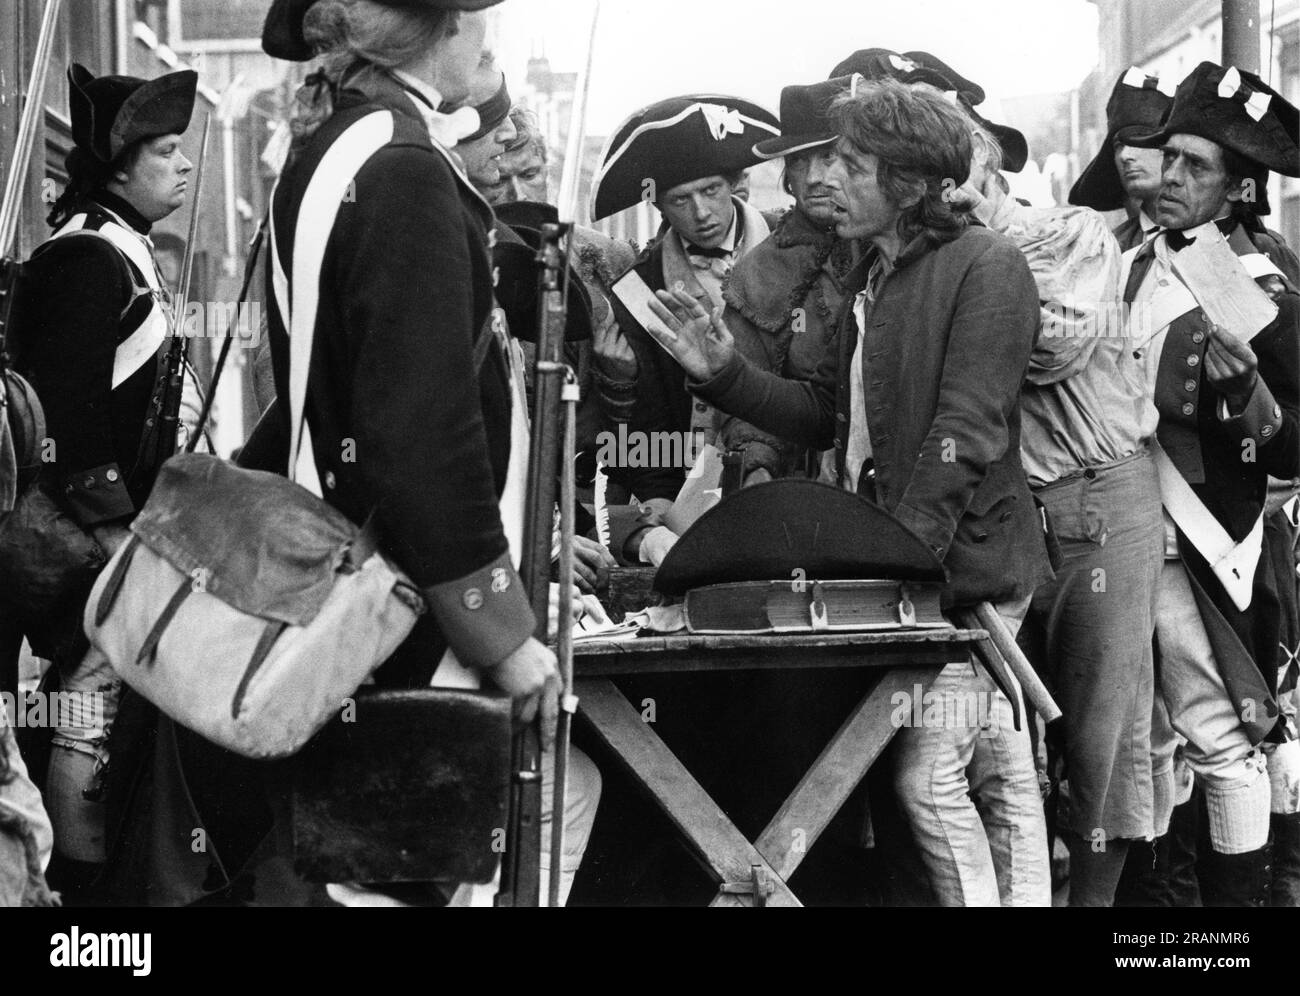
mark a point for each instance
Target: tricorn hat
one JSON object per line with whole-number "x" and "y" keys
{"x": 775, "y": 530}
{"x": 805, "y": 117}
{"x": 970, "y": 91}
{"x": 515, "y": 257}
{"x": 1237, "y": 110}
{"x": 1015, "y": 149}
{"x": 1136, "y": 106}
{"x": 676, "y": 141}
{"x": 879, "y": 63}
{"x": 282, "y": 30}
{"x": 111, "y": 112}
{"x": 922, "y": 67}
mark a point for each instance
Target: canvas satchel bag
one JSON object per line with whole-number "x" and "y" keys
{"x": 244, "y": 606}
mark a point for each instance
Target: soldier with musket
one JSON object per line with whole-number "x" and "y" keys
{"x": 408, "y": 419}
{"x": 92, "y": 338}
{"x": 1228, "y": 402}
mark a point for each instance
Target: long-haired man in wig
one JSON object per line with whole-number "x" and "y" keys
{"x": 919, "y": 397}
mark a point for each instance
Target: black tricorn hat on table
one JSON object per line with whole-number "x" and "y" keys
{"x": 675, "y": 141}
{"x": 1136, "y": 106}
{"x": 1239, "y": 111}
{"x": 805, "y": 117}
{"x": 282, "y": 36}
{"x": 773, "y": 531}
{"x": 111, "y": 112}
{"x": 515, "y": 257}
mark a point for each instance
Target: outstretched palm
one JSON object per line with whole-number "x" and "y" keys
{"x": 697, "y": 339}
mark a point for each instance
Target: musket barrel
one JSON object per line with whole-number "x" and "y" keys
{"x": 11, "y": 205}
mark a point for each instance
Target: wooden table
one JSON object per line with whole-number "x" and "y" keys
{"x": 755, "y": 873}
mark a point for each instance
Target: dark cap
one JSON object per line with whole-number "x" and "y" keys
{"x": 675, "y": 141}
{"x": 879, "y": 63}
{"x": 282, "y": 36}
{"x": 1237, "y": 110}
{"x": 515, "y": 258}
{"x": 111, "y": 112}
{"x": 1136, "y": 106}
{"x": 805, "y": 117}
{"x": 771, "y": 531}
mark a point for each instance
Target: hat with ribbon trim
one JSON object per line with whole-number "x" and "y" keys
{"x": 922, "y": 67}
{"x": 676, "y": 141}
{"x": 879, "y": 63}
{"x": 1136, "y": 106}
{"x": 1237, "y": 110}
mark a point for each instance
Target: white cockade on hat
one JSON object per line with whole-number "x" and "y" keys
{"x": 722, "y": 121}
{"x": 1232, "y": 86}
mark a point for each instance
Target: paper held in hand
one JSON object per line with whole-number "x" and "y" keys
{"x": 701, "y": 491}
{"x": 1217, "y": 279}
{"x": 636, "y": 296}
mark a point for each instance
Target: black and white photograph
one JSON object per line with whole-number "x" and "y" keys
{"x": 651, "y": 454}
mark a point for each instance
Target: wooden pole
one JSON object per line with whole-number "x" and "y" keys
{"x": 1241, "y": 34}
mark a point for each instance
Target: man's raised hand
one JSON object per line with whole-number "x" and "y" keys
{"x": 697, "y": 339}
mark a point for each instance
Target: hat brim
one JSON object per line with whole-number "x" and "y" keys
{"x": 282, "y": 30}
{"x": 163, "y": 106}
{"x": 825, "y": 532}
{"x": 515, "y": 256}
{"x": 786, "y": 145}
{"x": 1015, "y": 149}
{"x": 647, "y": 158}
{"x": 1099, "y": 186}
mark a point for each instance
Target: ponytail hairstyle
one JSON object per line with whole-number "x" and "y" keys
{"x": 87, "y": 175}
{"x": 351, "y": 33}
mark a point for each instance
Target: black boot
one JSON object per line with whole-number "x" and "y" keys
{"x": 1236, "y": 879}
{"x": 1286, "y": 859}
{"x": 1145, "y": 880}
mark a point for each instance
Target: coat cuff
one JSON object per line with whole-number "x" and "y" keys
{"x": 761, "y": 455}
{"x": 1260, "y": 420}
{"x": 936, "y": 535}
{"x": 485, "y": 615}
{"x": 97, "y": 494}
{"x": 716, "y": 387}
{"x": 628, "y": 525}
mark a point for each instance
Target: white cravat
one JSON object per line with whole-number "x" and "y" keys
{"x": 445, "y": 129}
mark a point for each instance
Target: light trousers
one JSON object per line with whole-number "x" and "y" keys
{"x": 970, "y": 794}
